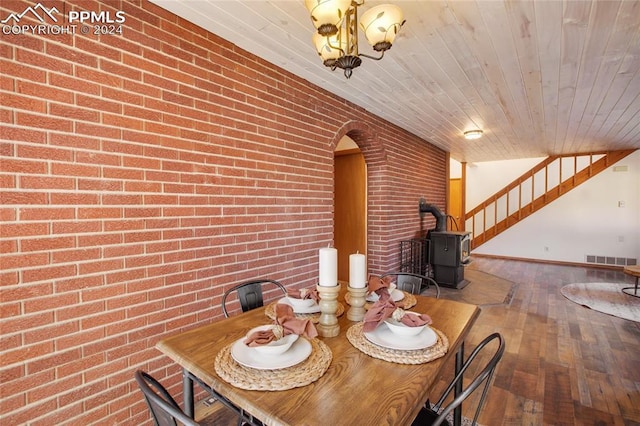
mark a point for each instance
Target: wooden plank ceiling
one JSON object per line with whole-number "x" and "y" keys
{"x": 538, "y": 77}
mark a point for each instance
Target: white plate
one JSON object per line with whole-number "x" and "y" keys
{"x": 396, "y": 295}
{"x": 315, "y": 308}
{"x": 249, "y": 357}
{"x": 382, "y": 336}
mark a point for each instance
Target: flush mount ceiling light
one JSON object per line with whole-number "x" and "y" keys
{"x": 473, "y": 134}
{"x": 336, "y": 39}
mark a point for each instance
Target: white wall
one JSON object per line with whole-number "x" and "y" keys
{"x": 455, "y": 169}
{"x": 585, "y": 221}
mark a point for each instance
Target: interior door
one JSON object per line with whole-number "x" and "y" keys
{"x": 455, "y": 204}
{"x": 350, "y": 208}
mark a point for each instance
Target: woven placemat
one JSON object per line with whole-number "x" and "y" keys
{"x": 270, "y": 311}
{"x": 408, "y": 301}
{"x": 419, "y": 356}
{"x": 308, "y": 371}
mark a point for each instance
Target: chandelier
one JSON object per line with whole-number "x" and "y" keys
{"x": 336, "y": 39}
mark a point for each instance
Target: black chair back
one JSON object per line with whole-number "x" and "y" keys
{"x": 436, "y": 414}
{"x": 164, "y": 409}
{"x": 249, "y": 294}
{"x": 413, "y": 283}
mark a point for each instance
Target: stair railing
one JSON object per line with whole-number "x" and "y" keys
{"x": 543, "y": 183}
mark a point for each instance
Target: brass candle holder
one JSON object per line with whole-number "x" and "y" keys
{"x": 328, "y": 323}
{"x": 356, "y": 301}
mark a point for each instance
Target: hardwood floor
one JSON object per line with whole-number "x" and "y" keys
{"x": 564, "y": 364}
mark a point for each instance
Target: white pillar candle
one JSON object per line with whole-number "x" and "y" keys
{"x": 328, "y": 267}
{"x": 357, "y": 270}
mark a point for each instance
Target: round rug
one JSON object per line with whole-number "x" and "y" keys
{"x": 604, "y": 297}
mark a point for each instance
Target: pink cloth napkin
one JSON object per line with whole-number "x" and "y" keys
{"x": 305, "y": 293}
{"x": 415, "y": 320}
{"x": 385, "y": 308}
{"x": 380, "y": 311}
{"x": 379, "y": 285}
{"x": 290, "y": 325}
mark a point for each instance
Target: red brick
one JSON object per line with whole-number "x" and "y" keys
{"x": 66, "y": 169}
{"x": 99, "y": 266}
{"x": 122, "y": 122}
{"x": 99, "y": 131}
{"x": 99, "y": 185}
{"x": 24, "y": 416}
{"x": 10, "y": 309}
{"x": 98, "y": 104}
{"x": 23, "y": 135}
{"x": 74, "y": 84}
{"x": 25, "y": 353}
{"x": 9, "y": 278}
{"x": 105, "y": 292}
{"x": 100, "y": 213}
{"x": 45, "y": 213}
{"x": 79, "y": 311}
{"x": 43, "y": 122}
{"x": 50, "y": 302}
{"x": 64, "y": 198}
{"x": 68, "y": 256}
{"x": 48, "y": 273}
{"x": 9, "y": 230}
{"x": 62, "y": 385}
{"x": 111, "y": 67}
{"x": 99, "y": 240}
{"x": 103, "y": 319}
{"x": 121, "y": 173}
{"x": 24, "y": 261}
{"x": 98, "y": 48}
{"x": 80, "y": 393}
{"x": 72, "y": 55}
{"x": 125, "y": 276}
{"x": 11, "y": 100}
{"x": 42, "y": 182}
{"x": 23, "y": 70}
{"x": 43, "y": 61}
{"x": 79, "y": 339}
{"x": 53, "y": 332}
{"x": 74, "y": 141}
{"x": 73, "y": 112}
{"x": 78, "y": 283}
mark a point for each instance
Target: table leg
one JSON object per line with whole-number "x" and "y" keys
{"x": 457, "y": 412}
{"x": 187, "y": 392}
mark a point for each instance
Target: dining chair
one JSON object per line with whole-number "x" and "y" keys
{"x": 250, "y": 294}
{"x": 413, "y": 283}
{"x": 164, "y": 409}
{"x": 436, "y": 414}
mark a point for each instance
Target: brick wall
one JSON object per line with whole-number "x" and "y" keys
{"x": 142, "y": 173}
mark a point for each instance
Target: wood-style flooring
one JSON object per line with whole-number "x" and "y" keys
{"x": 564, "y": 364}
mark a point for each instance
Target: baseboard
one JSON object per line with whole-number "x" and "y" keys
{"x": 550, "y": 262}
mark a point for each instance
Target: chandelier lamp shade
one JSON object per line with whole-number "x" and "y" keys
{"x": 336, "y": 38}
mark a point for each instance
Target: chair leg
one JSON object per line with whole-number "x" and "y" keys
{"x": 457, "y": 412}
{"x": 187, "y": 389}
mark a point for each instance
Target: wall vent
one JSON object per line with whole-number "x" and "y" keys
{"x": 610, "y": 260}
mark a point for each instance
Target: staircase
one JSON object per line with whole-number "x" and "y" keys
{"x": 544, "y": 183}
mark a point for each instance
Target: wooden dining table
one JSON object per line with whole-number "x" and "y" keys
{"x": 355, "y": 389}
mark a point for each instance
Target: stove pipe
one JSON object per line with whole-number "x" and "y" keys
{"x": 441, "y": 218}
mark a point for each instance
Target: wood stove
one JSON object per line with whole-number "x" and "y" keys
{"x": 449, "y": 251}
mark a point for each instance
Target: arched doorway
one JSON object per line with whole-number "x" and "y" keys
{"x": 350, "y": 203}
